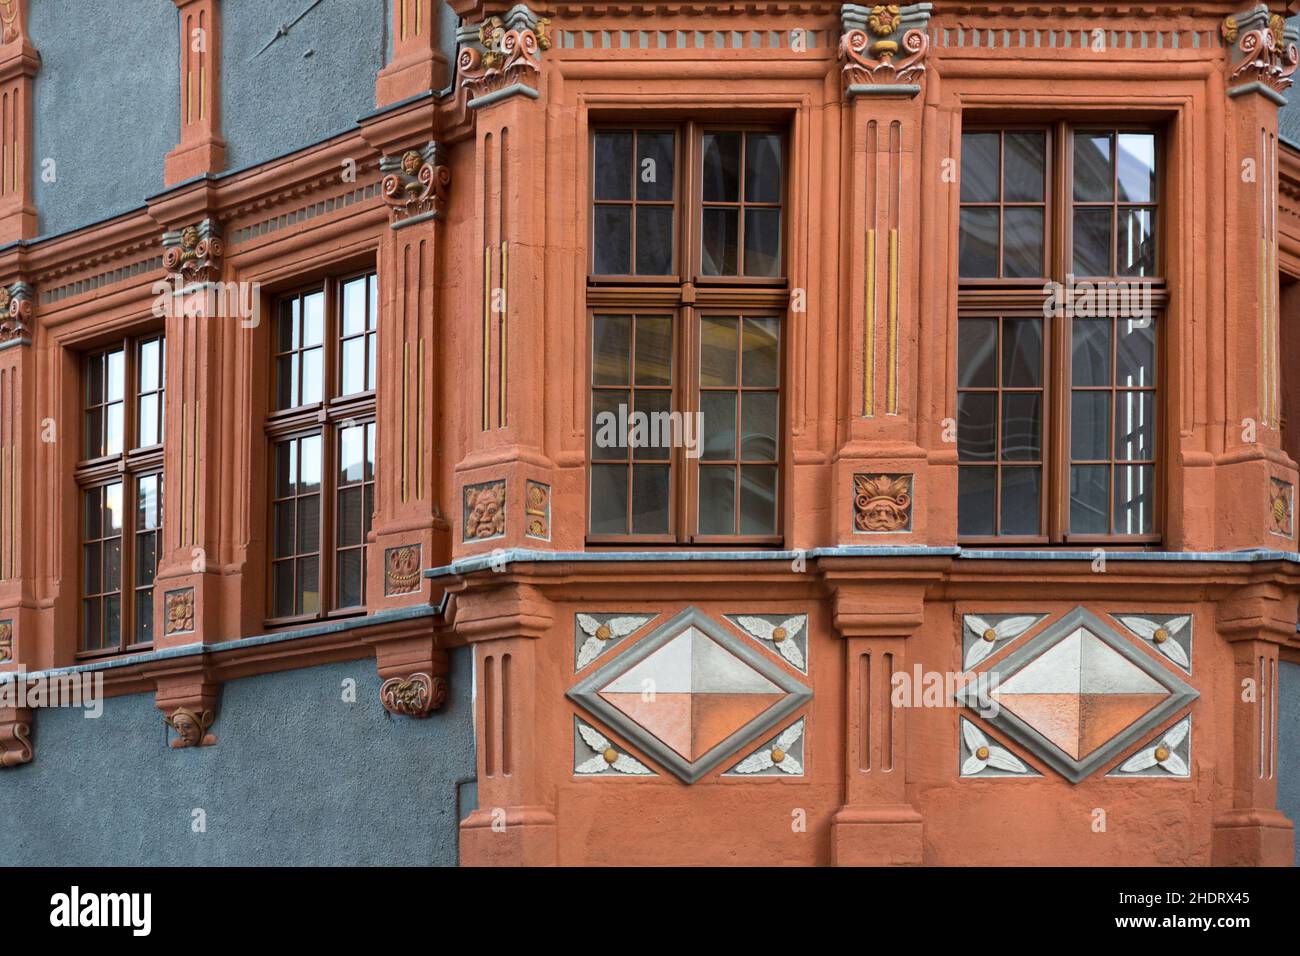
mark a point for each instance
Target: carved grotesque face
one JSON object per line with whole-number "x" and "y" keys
{"x": 485, "y": 518}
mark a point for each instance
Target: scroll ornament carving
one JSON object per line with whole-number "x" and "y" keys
{"x": 418, "y": 695}
{"x": 507, "y": 52}
{"x": 1263, "y": 52}
{"x": 417, "y": 183}
{"x": 883, "y": 47}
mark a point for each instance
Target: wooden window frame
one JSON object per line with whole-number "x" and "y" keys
{"x": 686, "y": 297}
{"x": 326, "y": 418}
{"x": 127, "y": 468}
{"x": 990, "y": 298}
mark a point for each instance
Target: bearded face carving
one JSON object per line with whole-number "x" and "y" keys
{"x": 882, "y": 502}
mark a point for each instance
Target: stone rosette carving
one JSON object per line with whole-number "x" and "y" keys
{"x": 484, "y": 512}
{"x": 402, "y": 569}
{"x": 1262, "y": 54}
{"x": 1281, "y": 508}
{"x": 9, "y": 20}
{"x": 784, "y": 634}
{"x": 6, "y": 641}
{"x": 1170, "y": 755}
{"x": 782, "y": 754}
{"x": 16, "y": 312}
{"x": 882, "y": 503}
{"x": 883, "y": 48}
{"x": 417, "y": 695}
{"x": 191, "y": 727}
{"x": 537, "y": 510}
{"x": 597, "y": 633}
{"x": 981, "y": 757}
{"x": 416, "y": 184}
{"x": 194, "y": 252}
{"x": 984, "y": 633}
{"x": 594, "y": 755}
{"x": 1169, "y": 634}
{"x": 503, "y": 52}
{"x": 178, "y": 611}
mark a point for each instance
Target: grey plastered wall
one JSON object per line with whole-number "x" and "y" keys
{"x": 107, "y": 106}
{"x": 1288, "y": 117}
{"x": 298, "y": 777}
{"x": 1288, "y": 745}
{"x": 307, "y": 86}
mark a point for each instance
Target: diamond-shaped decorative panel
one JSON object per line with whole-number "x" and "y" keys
{"x": 690, "y": 693}
{"x": 1078, "y": 694}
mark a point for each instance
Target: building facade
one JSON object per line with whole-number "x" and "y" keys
{"x": 593, "y": 433}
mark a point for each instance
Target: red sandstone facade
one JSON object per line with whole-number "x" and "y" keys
{"x": 482, "y": 409}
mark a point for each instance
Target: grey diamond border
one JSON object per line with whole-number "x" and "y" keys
{"x": 585, "y": 693}
{"x": 1181, "y": 694}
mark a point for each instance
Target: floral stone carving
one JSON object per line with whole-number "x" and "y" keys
{"x": 6, "y": 641}
{"x": 1281, "y": 508}
{"x": 981, "y": 634}
{"x": 178, "y": 612}
{"x": 883, "y": 48}
{"x": 594, "y": 755}
{"x": 416, "y": 184}
{"x": 1170, "y": 634}
{"x": 1263, "y": 53}
{"x": 15, "y": 312}
{"x": 787, "y": 635}
{"x": 597, "y": 633}
{"x": 782, "y": 754}
{"x": 981, "y": 757}
{"x": 1168, "y": 756}
{"x": 504, "y": 53}
{"x": 194, "y": 252}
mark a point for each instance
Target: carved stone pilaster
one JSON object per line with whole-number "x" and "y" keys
{"x": 16, "y": 307}
{"x": 883, "y": 48}
{"x": 1262, "y": 53}
{"x": 416, "y": 184}
{"x": 502, "y": 56}
{"x": 195, "y": 252}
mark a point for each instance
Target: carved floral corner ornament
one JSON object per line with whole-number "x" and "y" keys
{"x": 416, "y": 184}
{"x": 194, "y": 252}
{"x": 16, "y": 313}
{"x": 1263, "y": 53}
{"x": 485, "y": 511}
{"x": 503, "y": 55}
{"x": 882, "y": 503}
{"x": 6, "y": 641}
{"x": 191, "y": 727}
{"x": 883, "y": 48}
{"x": 417, "y": 695}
